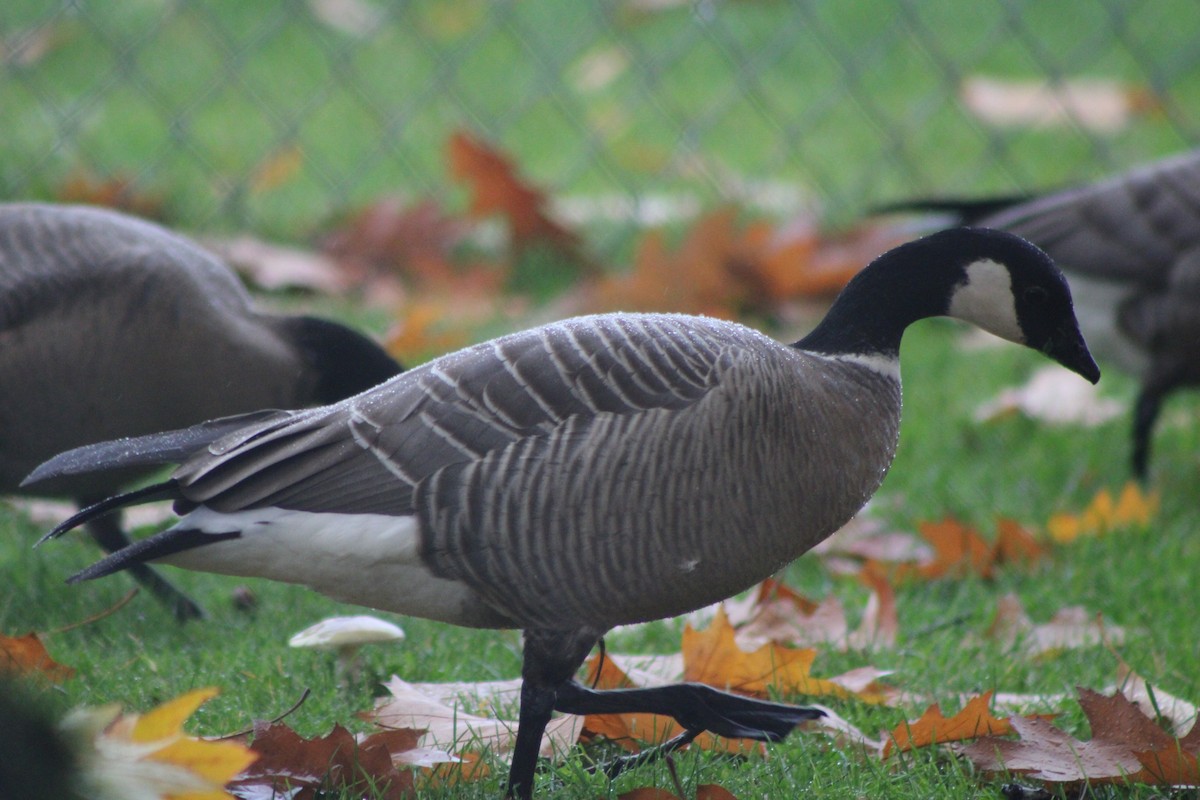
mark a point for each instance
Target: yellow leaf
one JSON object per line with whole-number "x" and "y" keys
{"x": 1064, "y": 528}
{"x": 149, "y": 755}
{"x": 713, "y": 657}
{"x": 1133, "y": 508}
{"x": 167, "y": 720}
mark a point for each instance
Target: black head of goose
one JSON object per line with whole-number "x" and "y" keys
{"x": 1130, "y": 248}
{"x": 589, "y": 473}
{"x": 111, "y": 326}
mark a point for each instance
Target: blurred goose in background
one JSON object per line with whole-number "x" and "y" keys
{"x": 1130, "y": 248}
{"x": 590, "y": 473}
{"x": 111, "y": 326}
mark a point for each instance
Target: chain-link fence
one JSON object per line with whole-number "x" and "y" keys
{"x": 276, "y": 116}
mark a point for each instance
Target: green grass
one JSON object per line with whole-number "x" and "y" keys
{"x": 206, "y": 92}
{"x": 852, "y": 102}
{"x": 945, "y": 464}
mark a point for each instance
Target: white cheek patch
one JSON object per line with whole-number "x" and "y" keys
{"x": 986, "y": 299}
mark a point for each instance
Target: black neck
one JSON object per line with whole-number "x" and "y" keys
{"x": 892, "y": 292}
{"x": 345, "y": 362}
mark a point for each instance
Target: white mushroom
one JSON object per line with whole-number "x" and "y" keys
{"x": 346, "y": 635}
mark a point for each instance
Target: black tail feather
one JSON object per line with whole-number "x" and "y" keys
{"x": 167, "y": 490}
{"x": 153, "y": 450}
{"x": 965, "y": 211}
{"x": 160, "y": 545}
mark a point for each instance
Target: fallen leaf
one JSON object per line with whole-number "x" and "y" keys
{"x": 449, "y": 726}
{"x": 149, "y": 756}
{"x": 598, "y": 68}
{"x": 1126, "y": 746}
{"x": 692, "y": 278}
{"x": 336, "y": 762}
{"x": 1055, "y": 396}
{"x": 1070, "y": 628}
{"x": 1105, "y": 106}
{"x": 119, "y": 192}
{"x": 358, "y": 18}
{"x": 973, "y": 721}
{"x": 868, "y": 539}
{"x": 959, "y": 550}
{"x": 713, "y": 657}
{"x": 277, "y": 169}
{"x": 273, "y": 266}
{"x": 422, "y": 331}
{"x": 1132, "y": 509}
{"x": 630, "y": 731}
{"x": 496, "y": 188}
{"x": 26, "y": 655}
{"x": 1015, "y": 544}
{"x": 415, "y": 241}
{"x": 1155, "y": 703}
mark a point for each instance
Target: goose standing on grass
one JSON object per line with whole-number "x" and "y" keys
{"x": 594, "y": 472}
{"x": 111, "y": 327}
{"x": 1130, "y": 248}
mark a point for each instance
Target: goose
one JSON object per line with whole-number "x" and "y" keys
{"x": 111, "y": 327}
{"x": 1130, "y": 248}
{"x": 589, "y": 473}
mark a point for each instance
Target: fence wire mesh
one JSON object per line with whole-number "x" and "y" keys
{"x": 276, "y": 116}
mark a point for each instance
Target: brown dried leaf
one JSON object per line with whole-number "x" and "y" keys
{"x": 26, "y": 655}
{"x": 1070, "y": 628}
{"x": 496, "y": 188}
{"x": 334, "y": 762}
{"x": 1155, "y": 703}
{"x": 1126, "y": 746}
{"x": 120, "y": 192}
{"x": 417, "y": 242}
{"x": 691, "y": 279}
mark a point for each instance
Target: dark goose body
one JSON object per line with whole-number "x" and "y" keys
{"x": 588, "y": 473}
{"x": 592, "y": 456}
{"x": 113, "y": 327}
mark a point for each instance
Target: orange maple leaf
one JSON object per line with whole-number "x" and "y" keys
{"x": 692, "y": 278}
{"x": 973, "y": 721}
{"x": 712, "y": 656}
{"x": 26, "y": 655}
{"x": 496, "y": 188}
{"x": 959, "y": 550}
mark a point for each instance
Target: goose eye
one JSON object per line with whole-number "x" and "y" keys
{"x": 1037, "y": 295}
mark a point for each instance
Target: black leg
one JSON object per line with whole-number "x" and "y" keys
{"x": 1145, "y": 414}
{"x": 696, "y": 707}
{"x": 551, "y": 659}
{"x": 107, "y": 533}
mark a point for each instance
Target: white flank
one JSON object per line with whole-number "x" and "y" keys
{"x": 367, "y": 559}
{"x": 986, "y": 299}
